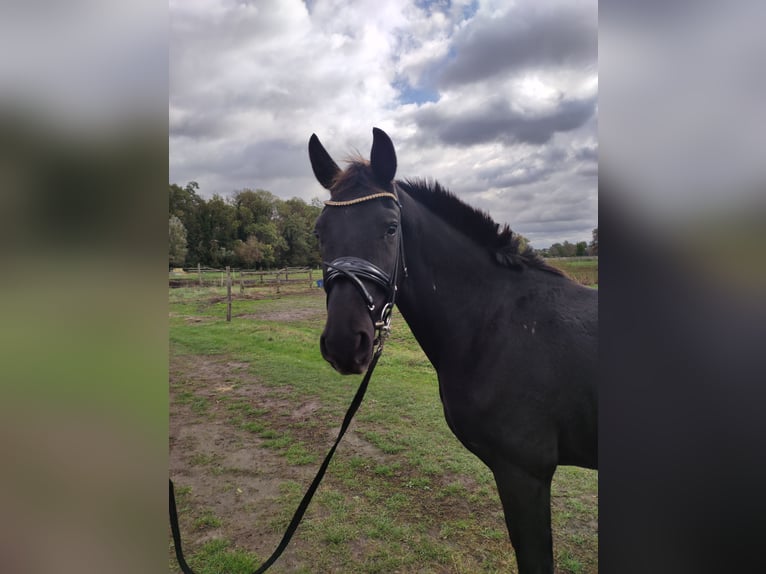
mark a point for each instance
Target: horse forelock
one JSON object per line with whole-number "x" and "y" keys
{"x": 357, "y": 180}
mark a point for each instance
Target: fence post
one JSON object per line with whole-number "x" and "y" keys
{"x": 241, "y": 282}
{"x": 228, "y": 293}
{"x": 199, "y": 273}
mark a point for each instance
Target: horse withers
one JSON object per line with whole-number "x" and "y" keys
{"x": 513, "y": 340}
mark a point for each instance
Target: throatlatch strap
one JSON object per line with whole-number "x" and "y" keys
{"x": 300, "y": 511}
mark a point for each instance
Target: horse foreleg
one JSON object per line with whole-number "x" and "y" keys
{"x": 527, "y": 505}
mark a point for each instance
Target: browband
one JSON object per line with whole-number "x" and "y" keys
{"x": 361, "y": 199}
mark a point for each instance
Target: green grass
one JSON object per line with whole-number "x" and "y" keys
{"x": 414, "y": 500}
{"x": 218, "y": 557}
{"x": 584, "y": 270}
{"x": 207, "y": 520}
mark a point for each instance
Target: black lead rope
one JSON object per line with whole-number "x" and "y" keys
{"x": 300, "y": 511}
{"x": 352, "y": 268}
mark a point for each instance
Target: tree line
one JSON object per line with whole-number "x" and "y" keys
{"x": 254, "y": 229}
{"x": 567, "y": 249}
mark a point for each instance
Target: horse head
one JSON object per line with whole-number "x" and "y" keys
{"x": 359, "y": 236}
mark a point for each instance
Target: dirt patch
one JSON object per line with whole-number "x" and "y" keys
{"x": 219, "y": 468}
{"x": 287, "y": 315}
{"x": 222, "y": 469}
{"x": 305, "y": 411}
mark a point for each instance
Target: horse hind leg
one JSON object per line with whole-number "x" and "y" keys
{"x": 526, "y": 503}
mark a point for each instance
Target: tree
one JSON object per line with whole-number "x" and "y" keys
{"x": 523, "y": 242}
{"x": 256, "y": 222}
{"x": 178, "y": 248}
{"x": 581, "y": 248}
{"x": 252, "y": 251}
{"x": 253, "y": 208}
{"x": 186, "y": 205}
{"x": 251, "y": 228}
{"x": 593, "y": 248}
{"x": 183, "y": 200}
{"x": 217, "y": 220}
{"x": 563, "y": 250}
{"x": 296, "y": 222}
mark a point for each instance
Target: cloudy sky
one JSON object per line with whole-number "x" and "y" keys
{"x": 497, "y": 100}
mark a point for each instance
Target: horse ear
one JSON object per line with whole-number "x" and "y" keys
{"x": 382, "y": 156}
{"x": 325, "y": 169}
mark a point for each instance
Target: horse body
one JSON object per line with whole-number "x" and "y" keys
{"x": 505, "y": 346}
{"x": 513, "y": 342}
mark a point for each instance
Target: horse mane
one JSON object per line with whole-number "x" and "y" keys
{"x": 503, "y": 243}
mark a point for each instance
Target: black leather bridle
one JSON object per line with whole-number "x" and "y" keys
{"x": 358, "y": 270}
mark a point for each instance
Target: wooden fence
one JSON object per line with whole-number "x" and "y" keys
{"x": 582, "y": 269}
{"x": 208, "y": 276}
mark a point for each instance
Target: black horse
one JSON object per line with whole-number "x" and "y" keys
{"x": 513, "y": 340}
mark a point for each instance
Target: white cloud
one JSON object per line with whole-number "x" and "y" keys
{"x": 509, "y": 132}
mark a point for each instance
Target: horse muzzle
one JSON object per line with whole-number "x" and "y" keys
{"x": 347, "y": 340}
{"x": 349, "y": 335}
{"x": 350, "y": 353}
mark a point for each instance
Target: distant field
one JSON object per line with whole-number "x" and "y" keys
{"x": 254, "y": 409}
{"x": 582, "y": 269}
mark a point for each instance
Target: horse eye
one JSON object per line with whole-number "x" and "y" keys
{"x": 391, "y": 230}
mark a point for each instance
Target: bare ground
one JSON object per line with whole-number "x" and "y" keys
{"x": 227, "y": 467}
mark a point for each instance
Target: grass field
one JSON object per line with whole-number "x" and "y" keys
{"x": 582, "y": 269}
{"x": 254, "y": 409}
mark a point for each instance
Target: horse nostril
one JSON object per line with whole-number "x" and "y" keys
{"x": 325, "y": 353}
{"x": 363, "y": 344}
{"x": 349, "y": 354}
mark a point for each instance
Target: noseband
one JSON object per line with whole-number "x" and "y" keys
{"x": 356, "y": 270}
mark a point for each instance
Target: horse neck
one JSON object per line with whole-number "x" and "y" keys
{"x": 450, "y": 277}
